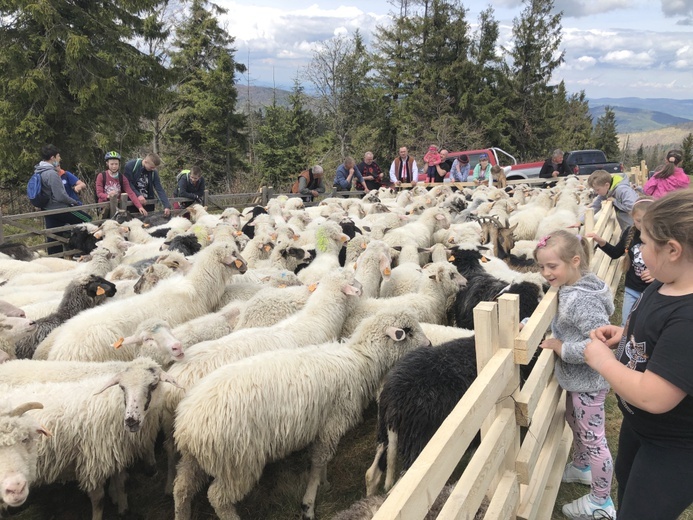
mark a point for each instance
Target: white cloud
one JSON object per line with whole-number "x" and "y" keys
{"x": 628, "y": 58}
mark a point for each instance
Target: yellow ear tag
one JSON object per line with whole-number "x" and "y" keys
{"x": 282, "y": 286}
{"x": 118, "y": 343}
{"x": 238, "y": 264}
{"x": 296, "y": 237}
{"x": 484, "y": 259}
{"x": 387, "y": 271}
{"x": 364, "y": 245}
{"x": 267, "y": 248}
{"x": 451, "y": 258}
{"x": 312, "y": 287}
{"x": 238, "y": 233}
{"x": 100, "y": 291}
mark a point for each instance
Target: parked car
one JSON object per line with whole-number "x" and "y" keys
{"x": 584, "y": 162}
{"x": 513, "y": 169}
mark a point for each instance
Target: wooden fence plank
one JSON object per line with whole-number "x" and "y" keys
{"x": 528, "y": 398}
{"x": 469, "y": 491}
{"x": 503, "y": 505}
{"x": 545, "y": 510}
{"x": 531, "y": 335}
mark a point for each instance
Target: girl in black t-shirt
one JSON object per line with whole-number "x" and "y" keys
{"x": 651, "y": 372}
{"x": 638, "y": 276}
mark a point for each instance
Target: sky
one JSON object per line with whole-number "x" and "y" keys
{"x": 613, "y": 48}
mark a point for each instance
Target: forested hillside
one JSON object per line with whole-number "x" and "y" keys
{"x": 152, "y": 75}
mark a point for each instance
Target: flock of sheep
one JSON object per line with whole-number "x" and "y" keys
{"x": 247, "y": 336}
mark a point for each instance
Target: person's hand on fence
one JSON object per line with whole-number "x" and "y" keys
{"x": 142, "y": 199}
{"x": 143, "y": 212}
{"x": 167, "y": 212}
{"x": 599, "y": 240}
{"x": 610, "y": 335}
{"x": 552, "y": 344}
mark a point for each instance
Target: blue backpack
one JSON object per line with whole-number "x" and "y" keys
{"x": 35, "y": 192}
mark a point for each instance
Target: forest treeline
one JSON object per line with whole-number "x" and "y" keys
{"x": 161, "y": 75}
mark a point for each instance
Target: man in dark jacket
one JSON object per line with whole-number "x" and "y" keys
{"x": 52, "y": 186}
{"x": 145, "y": 182}
{"x": 191, "y": 185}
{"x": 554, "y": 166}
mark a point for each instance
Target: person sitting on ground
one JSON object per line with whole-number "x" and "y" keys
{"x": 554, "y": 166}
{"x": 460, "y": 169}
{"x": 345, "y": 175}
{"x": 145, "y": 182}
{"x": 309, "y": 183}
{"x": 617, "y": 188}
{"x": 668, "y": 177}
{"x": 191, "y": 185}
{"x": 111, "y": 183}
{"x": 371, "y": 173}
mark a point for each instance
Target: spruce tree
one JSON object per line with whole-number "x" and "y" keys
{"x": 605, "y": 136}
{"x": 687, "y": 149}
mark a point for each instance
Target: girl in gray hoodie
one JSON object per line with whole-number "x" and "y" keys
{"x": 584, "y": 304}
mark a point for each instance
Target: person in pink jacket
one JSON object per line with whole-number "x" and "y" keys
{"x": 111, "y": 183}
{"x": 669, "y": 177}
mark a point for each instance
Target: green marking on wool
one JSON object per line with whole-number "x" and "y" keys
{"x": 323, "y": 241}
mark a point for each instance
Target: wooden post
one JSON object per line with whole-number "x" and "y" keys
{"x": 2, "y": 228}
{"x": 265, "y": 196}
{"x": 123, "y": 203}
{"x": 643, "y": 172}
{"x": 205, "y": 198}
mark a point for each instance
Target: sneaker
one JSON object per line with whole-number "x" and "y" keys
{"x": 584, "y": 509}
{"x": 572, "y": 474}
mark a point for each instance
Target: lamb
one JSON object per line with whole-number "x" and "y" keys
{"x": 372, "y": 267}
{"x": 19, "y": 438}
{"x": 440, "y": 284}
{"x": 438, "y": 377}
{"x": 84, "y": 292}
{"x": 329, "y": 239}
{"x": 174, "y": 300}
{"x": 421, "y": 230}
{"x": 366, "y": 508}
{"x": 256, "y": 411}
{"x": 88, "y": 441}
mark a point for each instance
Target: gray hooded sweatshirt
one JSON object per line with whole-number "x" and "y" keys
{"x": 582, "y": 307}
{"x": 53, "y": 186}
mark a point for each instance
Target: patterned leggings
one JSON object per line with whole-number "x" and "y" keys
{"x": 585, "y": 415}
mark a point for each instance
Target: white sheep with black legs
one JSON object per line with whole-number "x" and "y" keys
{"x": 174, "y": 300}
{"x": 97, "y": 431}
{"x": 265, "y": 407}
{"x": 320, "y": 321}
{"x": 430, "y": 304}
{"x": 19, "y": 438}
{"x": 83, "y": 292}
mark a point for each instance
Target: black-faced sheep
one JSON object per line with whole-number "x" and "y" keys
{"x": 82, "y": 239}
{"x": 17, "y": 251}
{"x": 265, "y": 407}
{"x": 12, "y": 329}
{"x": 84, "y": 292}
{"x": 186, "y": 244}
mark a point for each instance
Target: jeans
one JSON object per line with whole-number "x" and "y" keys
{"x": 630, "y": 296}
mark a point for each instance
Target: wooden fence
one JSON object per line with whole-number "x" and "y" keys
{"x": 520, "y": 476}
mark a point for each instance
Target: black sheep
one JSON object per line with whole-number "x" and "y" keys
{"x": 84, "y": 292}
{"x": 418, "y": 394}
{"x": 82, "y": 239}
{"x": 160, "y": 232}
{"x": 188, "y": 245}
{"x": 350, "y": 230}
{"x": 17, "y": 251}
{"x": 248, "y": 229}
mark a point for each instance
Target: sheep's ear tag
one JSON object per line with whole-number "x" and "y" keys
{"x": 387, "y": 271}
{"x": 364, "y": 245}
{"x": 312, "y": 287}
{"x": 451, "y": 258}
{"x": 146, "y": 225}
{"x": 282, "y": 286}
{"x": 484, "y": 259}
{"x": 296, "y": 237}
{"x": 118, "y": 343}
{"x": 238, "y": 264}
{"x": 238, "y": 233}
{"x": 100, "y": 291}
{"x": 355, "y": 265}
{"x": 267, "y": 248}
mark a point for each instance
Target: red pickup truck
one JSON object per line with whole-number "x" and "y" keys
{"x": 513, "y": 170}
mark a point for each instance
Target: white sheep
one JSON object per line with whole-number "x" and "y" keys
{"x": 12, "y": 329}
{"x": 329, "y": 240}
{"x": 265, "y": 407}
{"x": 97, "y": 433}
{"x": 271, "y": 305}
{"x": 436, "y": 294}
{"x": 174, "y": 300}
{"x": 372, "y": 267}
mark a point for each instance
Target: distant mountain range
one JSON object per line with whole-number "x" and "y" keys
{"x": 636, "y": 116}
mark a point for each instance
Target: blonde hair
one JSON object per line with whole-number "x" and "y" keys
{"x": 567, "y": 245}
{"x": 599, "y": 178}
{"x": 671, "y": 218}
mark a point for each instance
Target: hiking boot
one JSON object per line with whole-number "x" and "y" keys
{"x": 572, "y": 474}
{"x": 584, "y": 508}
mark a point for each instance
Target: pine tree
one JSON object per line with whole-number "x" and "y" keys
{"x": 206, "y": 128}
{"x": 70, "y": 75}
{"x": 278, "y": 147}
{"x": 640, "y": 155}
{"x": 535, "y": 56}
{"x": 605, "y": 136}
{"x": 687, "y": 149}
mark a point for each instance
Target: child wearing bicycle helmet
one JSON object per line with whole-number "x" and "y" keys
{"x": 111, "y": 183}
